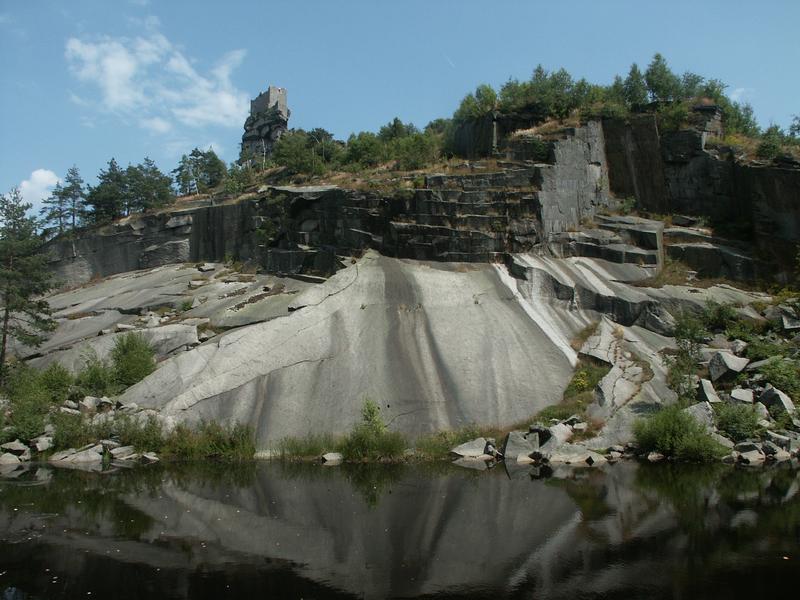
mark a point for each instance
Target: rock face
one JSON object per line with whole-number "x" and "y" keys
{"x": 676, "y": 172}
{"x": 473, "y": 217}
{"x": 439, "y": 345}
{"x": 268, "y": 120}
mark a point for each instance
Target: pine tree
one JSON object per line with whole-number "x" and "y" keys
{"x": 24, "y": 278}
{"x": 662, "y": 83}
{"x": 635, "y": 87}
{"x": 184, "y": 177}
{"x": 55, "y": 210}
{"x": 147, "y": 187}
{"x": 74, "y": 196}
{"x": 107, "y": 199}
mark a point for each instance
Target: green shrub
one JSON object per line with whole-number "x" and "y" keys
{"x": 133, "y": 359}
{"x": 783, "y": 374}
{"x": 29, "y": 402}
{"x": 675, "y": 433}
{"x": 143, "y": 434}
{"x": 186, "y": 305}
{"x": 370, "y": 439}
{"x": 210, "y": 440}
{"x": 96, "y": 378}
{"x": 673, "y": 117}
{"x": 58, "y": 381}
{"x": 738, "y": 421}
{"x": 310, "y": 446}
{"x": 438, "y": 445}
{"x": 71, "y": 431}
{"x": 689, "y": 329}
{"x": 682, "y": 367}
{"x": 762, "y": 349}
{"x": 717, "y": 317}
{"x": 585, "y": 378}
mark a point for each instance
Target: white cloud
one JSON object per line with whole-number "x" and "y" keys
{"x": 38, "y": 187}
{"x": 149, "y": 79}
{"x": 156, "y": 125}
{"x": 740, "y": 93}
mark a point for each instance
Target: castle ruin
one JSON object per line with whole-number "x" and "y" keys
{"x": 268, "y": 120}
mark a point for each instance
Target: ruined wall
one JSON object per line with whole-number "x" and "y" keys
{"x": 267, "y": 122}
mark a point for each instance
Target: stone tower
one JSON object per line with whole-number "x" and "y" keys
{"x": 268, "y": 120}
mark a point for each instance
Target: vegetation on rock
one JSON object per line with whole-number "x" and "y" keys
{"x": 674, "y": 433}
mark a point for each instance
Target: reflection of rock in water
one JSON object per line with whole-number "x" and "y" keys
{"x": 304, "y": 531}
{"x": 428, "y": 533}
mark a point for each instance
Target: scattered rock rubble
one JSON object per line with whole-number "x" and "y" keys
{"x": 92, "y": 457}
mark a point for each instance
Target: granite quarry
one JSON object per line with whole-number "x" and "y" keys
{"x": 457, "y": 301}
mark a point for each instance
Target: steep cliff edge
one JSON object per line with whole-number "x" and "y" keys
{"x": 479, "y": 216}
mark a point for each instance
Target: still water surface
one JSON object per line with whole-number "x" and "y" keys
{"x": 386, "y": 531}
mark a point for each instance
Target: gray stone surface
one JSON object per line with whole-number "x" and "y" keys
{"x": 471, "y": 449}
{"x": 413, "y": 345}
{"x": 7, "y": 458}
{"x": 776, "y": 400}
{"x": 707, "y": 393}
{"x": 518, "y": 448}
{"x": 742, "y": 395}
{"x": 703, "y": 414}
{"x": 723, "y": 364}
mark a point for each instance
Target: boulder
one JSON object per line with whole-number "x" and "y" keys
{"x": 519, "y": 446}
{"x": 121, "y": 452}
{"x": 742, "y": 395}
{"x": 109, "y": 445}
{"x": 778, "y": 439}
{"x": 332, "y": 458}
{"x": 206, "y": 267}
{"x": 723, "y": 364}
{"x": 702, "y": 413}
{"x": 123, "y": 327}
{"x": 722, "y": 440}
{"x": 471, "y": 449}
{"x": 575, "y": 454}
{"x": 42, "y": 443}
{"x": 761, "y": 411}
{"x": 90, "y": 455}
{"x": 655, "y": 457}
{"x": 88, "y": 405}
{"x": 752, "y": 457}
{"x": 559, "y": 435}
{"x": 776, "y": 401}
{"x": 774, "y": 451}
{"x": 15, "y": 447}
{"x": 9, "y": 459}
{"x": 738, "y": 347}
{"x": 61, "y": 455}
{"x": 150, "y": 457}
{"x": 104, "y": 404}
{"x": 706, "y": 392}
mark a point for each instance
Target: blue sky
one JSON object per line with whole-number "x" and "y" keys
{"x": 85, "y": 80}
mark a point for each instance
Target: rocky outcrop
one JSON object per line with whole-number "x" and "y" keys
{"x": 268, "y": 120}
{"x": 480, "y": 216}
{"x": 676, "y": 172}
